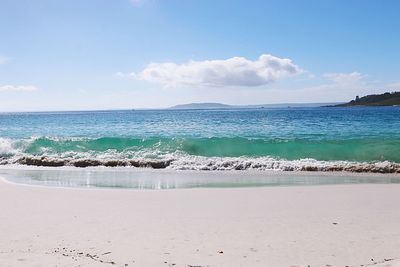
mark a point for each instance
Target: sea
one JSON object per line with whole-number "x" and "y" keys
{"x": 353, "y": 139}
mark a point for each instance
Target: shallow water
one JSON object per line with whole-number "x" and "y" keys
{"x": 165, "y": 179}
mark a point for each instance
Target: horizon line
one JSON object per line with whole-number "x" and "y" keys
{"x": 163, "y": 108}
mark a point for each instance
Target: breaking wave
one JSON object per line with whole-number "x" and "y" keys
{"x": 355, "y": 155}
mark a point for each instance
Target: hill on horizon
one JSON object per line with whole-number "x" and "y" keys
{"x": 385, "y": 99}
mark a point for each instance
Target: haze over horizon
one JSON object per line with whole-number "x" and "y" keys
{"x": 123, "y": 54}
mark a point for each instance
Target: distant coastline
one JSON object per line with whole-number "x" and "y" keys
{"x": 386, "y": 99}
{"x": 225, "y": 106}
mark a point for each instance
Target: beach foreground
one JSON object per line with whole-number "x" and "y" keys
{"x": 336, "y": 225}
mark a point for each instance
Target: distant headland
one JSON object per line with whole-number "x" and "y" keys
{"x": 386, "y": 99}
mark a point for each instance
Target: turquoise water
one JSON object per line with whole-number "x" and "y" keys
{"x": 355, "y": 139}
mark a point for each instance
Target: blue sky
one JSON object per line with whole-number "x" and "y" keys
{"x": 101, "y": 54}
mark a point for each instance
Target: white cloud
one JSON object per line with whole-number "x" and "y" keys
{"x": 236, "y": 71}
{"x": 17, "y": 88}
{"x": 345, "y": 78}
{"x": 339, "y": 87}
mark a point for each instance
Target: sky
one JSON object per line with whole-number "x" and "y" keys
{"x": 118, "y": 54}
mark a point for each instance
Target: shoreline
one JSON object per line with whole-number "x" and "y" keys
{"x": 170, "y": 170}
{"x": 169, "y": 179}
{"x": 334, "y": 225}
{"x": 174, "y": 170}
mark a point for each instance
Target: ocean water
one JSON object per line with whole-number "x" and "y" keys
{"x": 362, "y": 139}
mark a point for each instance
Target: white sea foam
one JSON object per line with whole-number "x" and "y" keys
{"x": 185, "y": 162}
{"x": 11, "y": 147}
{"x": 13, "y": 151}
{"x": 269, "y": 163}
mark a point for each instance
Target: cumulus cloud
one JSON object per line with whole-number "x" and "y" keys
{"x": 236, "y": 71}
{"x": 345, "y": 78}
{"x": 17, "y": 88}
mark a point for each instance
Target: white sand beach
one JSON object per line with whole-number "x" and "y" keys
{"x": 336, "y": 225}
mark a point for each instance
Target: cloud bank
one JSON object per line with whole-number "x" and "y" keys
{"x": 236, "y": 71}
{"x": 17, "y": 88}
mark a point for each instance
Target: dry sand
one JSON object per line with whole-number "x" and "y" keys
{"x": 337, "y": 225}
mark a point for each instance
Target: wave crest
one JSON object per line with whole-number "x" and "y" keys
{"x": 215, "y": 164}
{"x": 204, "y": 154}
